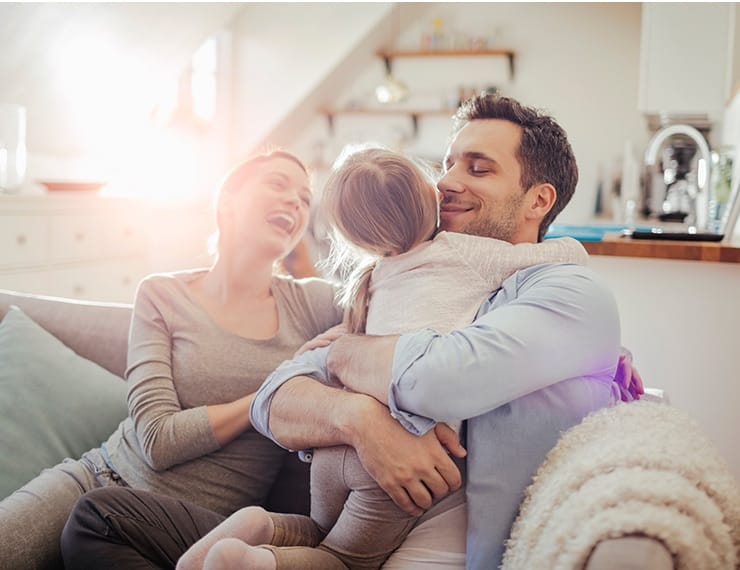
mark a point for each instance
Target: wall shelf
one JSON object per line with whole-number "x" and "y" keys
{"x": 413, "y": 113}
{"x": 389, "y": 55}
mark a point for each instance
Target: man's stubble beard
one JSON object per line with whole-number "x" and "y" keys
{"x": 498, "y": 225}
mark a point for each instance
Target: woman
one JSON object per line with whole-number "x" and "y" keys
{"x": 201, "y": 343}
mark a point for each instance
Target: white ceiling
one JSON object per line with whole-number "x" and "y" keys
{"x": 156, "y": 38}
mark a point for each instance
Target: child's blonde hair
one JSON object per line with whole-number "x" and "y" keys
{"x": 382, "y": 203}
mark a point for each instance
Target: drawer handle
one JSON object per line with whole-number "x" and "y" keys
{"x": 21, "y": 239}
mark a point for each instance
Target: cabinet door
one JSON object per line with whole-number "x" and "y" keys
{"x": 124, "y": 234}
{"x": 112, "y": 281}
{"x": 36, "y": 282}
{"x": 75, "y": 237}
{"x": 23, "y": 240}
{"x": 685, "y": 57}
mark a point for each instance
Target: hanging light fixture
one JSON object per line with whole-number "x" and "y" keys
{"x": 392, "y": 90}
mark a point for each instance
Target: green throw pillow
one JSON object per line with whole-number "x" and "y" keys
{"x": 53, "y": 403}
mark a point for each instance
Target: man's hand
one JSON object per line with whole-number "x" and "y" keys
{"x": 414, "y": 471}
{"x": 628, "y": 379}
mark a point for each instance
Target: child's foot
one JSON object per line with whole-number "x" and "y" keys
{"x": 251, "y": 524}
{"x": 233, "y": 554}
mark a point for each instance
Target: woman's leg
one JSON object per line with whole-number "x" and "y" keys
{"x": 32, "y": 518}
{"x": 127, "y": 529}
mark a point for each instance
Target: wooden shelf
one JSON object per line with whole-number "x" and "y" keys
{"x": 413, "y": 113}
{"x": 389, "y": 55}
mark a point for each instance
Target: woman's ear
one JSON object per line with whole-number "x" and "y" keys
{"x": 543, "y": 198}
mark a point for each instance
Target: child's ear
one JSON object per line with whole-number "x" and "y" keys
{"x": 542, "y": 199}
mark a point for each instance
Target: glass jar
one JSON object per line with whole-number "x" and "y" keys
{"x": 720, "y": 186}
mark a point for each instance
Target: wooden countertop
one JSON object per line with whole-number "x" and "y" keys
{"x": 665, "y": 249}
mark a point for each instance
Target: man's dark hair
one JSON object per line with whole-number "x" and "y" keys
{"x": 545, "y": 155}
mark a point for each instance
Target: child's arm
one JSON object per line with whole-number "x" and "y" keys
{"x": 496, "y": 260}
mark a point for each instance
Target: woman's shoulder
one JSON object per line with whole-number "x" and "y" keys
{"x": 307, "y": 286}
{"x": 165, "y": 282}
{"x": 311, "y": 299}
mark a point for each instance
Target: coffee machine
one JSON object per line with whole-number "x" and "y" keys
{"x": 676, "y": 181}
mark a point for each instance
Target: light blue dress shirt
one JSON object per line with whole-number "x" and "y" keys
{"x": 539, "y": 356}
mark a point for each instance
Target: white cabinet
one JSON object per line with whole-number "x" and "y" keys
{"x": 78, "y": 246}
{"x": 686, "y": 58}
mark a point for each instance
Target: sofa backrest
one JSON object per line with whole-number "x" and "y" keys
{"x": 96, "y": 331}
{"x": 99, "y": 332}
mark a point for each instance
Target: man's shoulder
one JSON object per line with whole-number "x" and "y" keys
{"x": 561, "y": 279}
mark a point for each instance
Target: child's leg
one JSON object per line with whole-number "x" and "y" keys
{"x": 233, "y": 554}
{"x": 250, "y": 525}
{"x": 366, "y": 525}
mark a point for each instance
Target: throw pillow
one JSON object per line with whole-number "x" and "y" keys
{"x": 53, "y": 403}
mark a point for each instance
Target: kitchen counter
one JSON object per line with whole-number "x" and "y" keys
{"x": 614, "y": 245}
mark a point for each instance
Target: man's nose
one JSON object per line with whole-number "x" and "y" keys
{"x": 449, "y": 183}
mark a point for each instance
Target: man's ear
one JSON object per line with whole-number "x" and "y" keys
{"x": 542, "y": 199}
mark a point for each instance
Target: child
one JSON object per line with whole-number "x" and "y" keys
{"x": 383, "y": 204}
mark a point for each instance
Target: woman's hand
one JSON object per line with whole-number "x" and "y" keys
{"x": 324, "y": 339}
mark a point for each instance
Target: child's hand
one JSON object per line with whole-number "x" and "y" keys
{"x": 323, "y": 339}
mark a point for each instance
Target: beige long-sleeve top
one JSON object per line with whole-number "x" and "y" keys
{"x": 181, "y": 361}
{"x": 442, "y": 283}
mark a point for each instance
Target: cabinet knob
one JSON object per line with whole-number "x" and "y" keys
{"x": 79, "y": 236}
{"x": 21, "y": 239}
{"x": 78, "y": 290}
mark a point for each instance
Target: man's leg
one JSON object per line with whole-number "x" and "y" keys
{"x": 128, "y": 529}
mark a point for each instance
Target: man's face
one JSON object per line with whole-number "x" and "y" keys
{"x": 480, "y": 187}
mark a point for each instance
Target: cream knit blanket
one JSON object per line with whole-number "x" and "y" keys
{"x": 641, "y": 468}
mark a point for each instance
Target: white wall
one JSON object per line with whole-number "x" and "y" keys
{"x": 578, "y": 61}
{"x": 680, "y": 320}
{"x": 283, "y": 51}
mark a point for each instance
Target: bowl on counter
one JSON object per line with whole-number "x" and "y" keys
{"x": 71, "y": 185}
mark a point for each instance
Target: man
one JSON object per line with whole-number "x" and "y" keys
{"x": 540, "y": 355}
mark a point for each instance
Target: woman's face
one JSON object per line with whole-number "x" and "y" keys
{"x": 270, "y": 209}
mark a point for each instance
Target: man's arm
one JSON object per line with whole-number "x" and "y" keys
{"x": 546, "y": 325}
{"x": 298, "y": 411}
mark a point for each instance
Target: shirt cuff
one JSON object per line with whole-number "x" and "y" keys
{"x": 409, "y": 348}
{"x": 312, "y": 363}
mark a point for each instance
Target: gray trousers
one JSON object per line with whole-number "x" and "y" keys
{"x": 32, "y": 518}
{"x": 359, "y": 523}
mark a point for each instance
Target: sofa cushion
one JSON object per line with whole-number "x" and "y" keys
{"x": 53, "y": 403}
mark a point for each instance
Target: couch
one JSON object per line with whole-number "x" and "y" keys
{"x": 98, "y": 332}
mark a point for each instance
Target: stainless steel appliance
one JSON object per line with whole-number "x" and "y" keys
{"x": 677, "y": 175}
